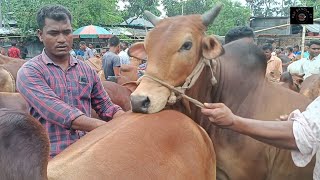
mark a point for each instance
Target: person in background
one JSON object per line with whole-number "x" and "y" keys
{"x": 306, "y": 53}
{"x": 290, "y": 54}
{"x": 285, "y": 59}
{"x": 23, "y": 50}
{"x": 3, "y": 51}
{"x": 110, "y": 60}
{"x": 124, "y": 57}
{"x": 14, "y": 52}
{"x": 274, "y": 64}
{"x": 87, "y": 53}
{"x": 311, "y": 65}
{"x": 239, "y": 32}
{"x": 60, "y": 89}
{"x": 94, "y": 51}
{"x": 296, "y": 50}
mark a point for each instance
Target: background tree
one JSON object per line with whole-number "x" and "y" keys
{"x": 97, "y": 12}
{"x": 135, "y": 8}
{"x": 232, "y": 13}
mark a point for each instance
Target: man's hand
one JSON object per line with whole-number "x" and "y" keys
{"x": 219, "y": 114}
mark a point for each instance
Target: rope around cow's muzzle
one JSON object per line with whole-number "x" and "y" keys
{"x": 190, "y": 81}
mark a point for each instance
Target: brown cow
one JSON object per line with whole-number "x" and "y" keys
{"x": 95, "y": 63}
{"x": 310, "y": 87}
{"x": 7, "y": 81}
{"x": 239, "y": 157}
{"x": 11, "y": 64}
{"x": 166, "y": 145}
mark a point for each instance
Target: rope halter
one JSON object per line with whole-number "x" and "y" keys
{"x": 189, "y": 82}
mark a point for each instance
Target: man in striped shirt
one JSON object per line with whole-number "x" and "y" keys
{"x": 61, "y": 89}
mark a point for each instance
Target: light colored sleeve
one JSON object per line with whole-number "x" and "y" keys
{"x": 306, "y": 131}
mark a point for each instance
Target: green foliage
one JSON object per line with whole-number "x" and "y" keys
{"x": 312, "y": 3}
{"x": 97, "y": 12}
{"x": 135, "y": 8}
{"x": 232, "y": 13}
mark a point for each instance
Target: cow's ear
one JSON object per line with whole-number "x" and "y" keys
{"x": 138, "y": 51}
{"x": 211, "y": 47}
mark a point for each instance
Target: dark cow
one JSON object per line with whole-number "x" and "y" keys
{"x": 166, "y": 145}
{"x": 239, "y": 157}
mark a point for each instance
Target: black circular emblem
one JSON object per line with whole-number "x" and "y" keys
{"x": 302, "y": 15}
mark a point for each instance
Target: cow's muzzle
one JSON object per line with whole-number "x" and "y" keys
{"x": 140, "y": 104}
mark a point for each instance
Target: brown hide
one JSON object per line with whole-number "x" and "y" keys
{"x": 118, "y": 94}
{"x": 11, "y": 64}
{"x": 95, "y": 63}
{"x": 311, "y": 87}
{"x": 7, "y": 82}
{"x": 165, "y": 145}
{"x": 239, "y": 157}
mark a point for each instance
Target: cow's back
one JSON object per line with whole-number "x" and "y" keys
{"x": 310, "y": 87}
{"x": 166, "y": 145}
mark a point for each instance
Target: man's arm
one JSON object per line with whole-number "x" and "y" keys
{"x": 116, "y": 65}
{"x": 101, "y": 102}
{"x": 85, "y": 123}
{"x": 276, "y": 133}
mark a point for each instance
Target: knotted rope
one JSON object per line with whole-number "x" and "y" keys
{"x": 189, "y": 82}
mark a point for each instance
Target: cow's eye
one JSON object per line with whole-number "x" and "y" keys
{"x": 186, "y": 46}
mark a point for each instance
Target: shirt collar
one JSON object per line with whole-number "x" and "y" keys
{"x": 47, "y": 60}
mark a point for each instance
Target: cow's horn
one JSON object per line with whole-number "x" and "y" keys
{"x": 152, "y": 18}
{"x": 209, "y": 16}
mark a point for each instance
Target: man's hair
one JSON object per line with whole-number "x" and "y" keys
{"x": 290, "y": 48}
{"x": 315, "y": 41}
{"x": 114, "y": 41}
{"x": 55, "y": 12}
{"x": 82, "y": 43}
{"x": 296, "y": 46}
{"x": 238, "y": 33}
{"x": 13, "y": 43}
{"x": 267, "y": 47}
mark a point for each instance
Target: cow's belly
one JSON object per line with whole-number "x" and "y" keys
{"x": 234, "y": 162}
{"x": 243, "y": 158}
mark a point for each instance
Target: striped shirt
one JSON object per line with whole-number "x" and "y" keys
{"x": 57, "y": 97}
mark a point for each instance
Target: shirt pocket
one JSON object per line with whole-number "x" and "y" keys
{"x": 84, "y": 90}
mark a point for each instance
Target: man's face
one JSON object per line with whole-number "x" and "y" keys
{"x": 56, "y": 37}
{"x": 90, "y": 46}
{"x": 82, "y": 46}
{"x": 117, "y": 49}
{"x": 314, "y": 50}
{"x": 124, "y": 46}
{"x": 267, "y": 52}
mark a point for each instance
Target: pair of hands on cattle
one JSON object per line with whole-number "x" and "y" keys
{"x": 169, "y": 145}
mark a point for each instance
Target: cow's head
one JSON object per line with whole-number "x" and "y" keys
{"x": 173, "y": 49}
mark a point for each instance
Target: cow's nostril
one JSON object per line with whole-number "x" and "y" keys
{"x": 140, "y": 104}
{"x": 146, "y": 103}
